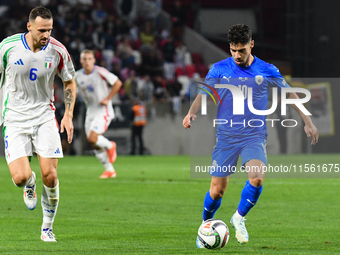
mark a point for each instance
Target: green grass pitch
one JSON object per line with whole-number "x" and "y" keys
{"x": 154, "y": 207}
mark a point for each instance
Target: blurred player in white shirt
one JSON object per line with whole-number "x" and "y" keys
{"x": 94, "y": 84}
{"x": 29, "y": 63}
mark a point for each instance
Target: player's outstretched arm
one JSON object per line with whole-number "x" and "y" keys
{"x": 115, "y": 88}
{"x": 192, "y": 112}
{"x": 69, "y": 99}
{"x": 310, "y": 129}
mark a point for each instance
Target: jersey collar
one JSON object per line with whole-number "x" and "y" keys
{"x": 24, "y": 42}
{"x": 246, "y": 67}
{"x": 23, "y": 39}
{"x": 94, "y": 67}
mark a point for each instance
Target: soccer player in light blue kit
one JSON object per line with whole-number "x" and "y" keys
{"x": 239, "y": 138}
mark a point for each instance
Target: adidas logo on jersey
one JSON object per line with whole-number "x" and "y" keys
{"x": 19, "y": 62}
{"x": 57, "y": 151}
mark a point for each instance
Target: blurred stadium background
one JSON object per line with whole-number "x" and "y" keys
{"x": 160, "y": 48}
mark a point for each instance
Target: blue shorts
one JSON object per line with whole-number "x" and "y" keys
{"x": 229, "y": 148}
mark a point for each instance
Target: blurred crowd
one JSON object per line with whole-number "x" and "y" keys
{"x": 128, "y": 39}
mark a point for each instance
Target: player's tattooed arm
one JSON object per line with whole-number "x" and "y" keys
{"x": 69, "y": 98}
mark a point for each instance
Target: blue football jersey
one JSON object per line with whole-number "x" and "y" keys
{"x": 260, "y": 76}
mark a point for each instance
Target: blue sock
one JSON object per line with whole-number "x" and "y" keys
{"x": 210, "y": 206}
{"x": 249, "y": 197}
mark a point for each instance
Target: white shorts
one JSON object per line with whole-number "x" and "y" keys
{"x": 43, "y": 140}
{"x": 98, "y": 124}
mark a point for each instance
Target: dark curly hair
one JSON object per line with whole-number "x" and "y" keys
{"x": 239, "y": 33}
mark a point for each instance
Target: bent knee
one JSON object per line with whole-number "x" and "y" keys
{"x": 20, "y": 179}
{"x": 51, "y": 178}
{"x": 92, "y": 139}
{"x": 216, "y": 193}
{"x": 256, "y": 182}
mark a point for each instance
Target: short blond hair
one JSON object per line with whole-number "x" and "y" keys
{"x": 87, "y": 51}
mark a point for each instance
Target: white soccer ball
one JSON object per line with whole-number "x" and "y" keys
{"x": 213, "y": 234}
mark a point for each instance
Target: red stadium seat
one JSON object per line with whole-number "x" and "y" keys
{"x": 197, "y": 58}
{"x": 190, "y": 69}
{"x": 202, "y": 70}
{"x": 179, "y": 71}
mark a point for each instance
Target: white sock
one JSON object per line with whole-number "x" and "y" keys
{"x": 103, "y": 142}
{"x": 237, "y": 216}
{"x": 49, "y": 204}
{"x": 109, "y": 167}
{"x": 31, "y": 180}
{"x": 47, "y": 225}
{"x": 104, "y": 159}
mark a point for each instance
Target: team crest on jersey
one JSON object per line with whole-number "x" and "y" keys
{"x": 48, "y": 62}
{"x": 259, "y": 79}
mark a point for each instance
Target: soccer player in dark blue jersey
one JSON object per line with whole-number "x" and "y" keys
{"x": 241, "y": 136}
